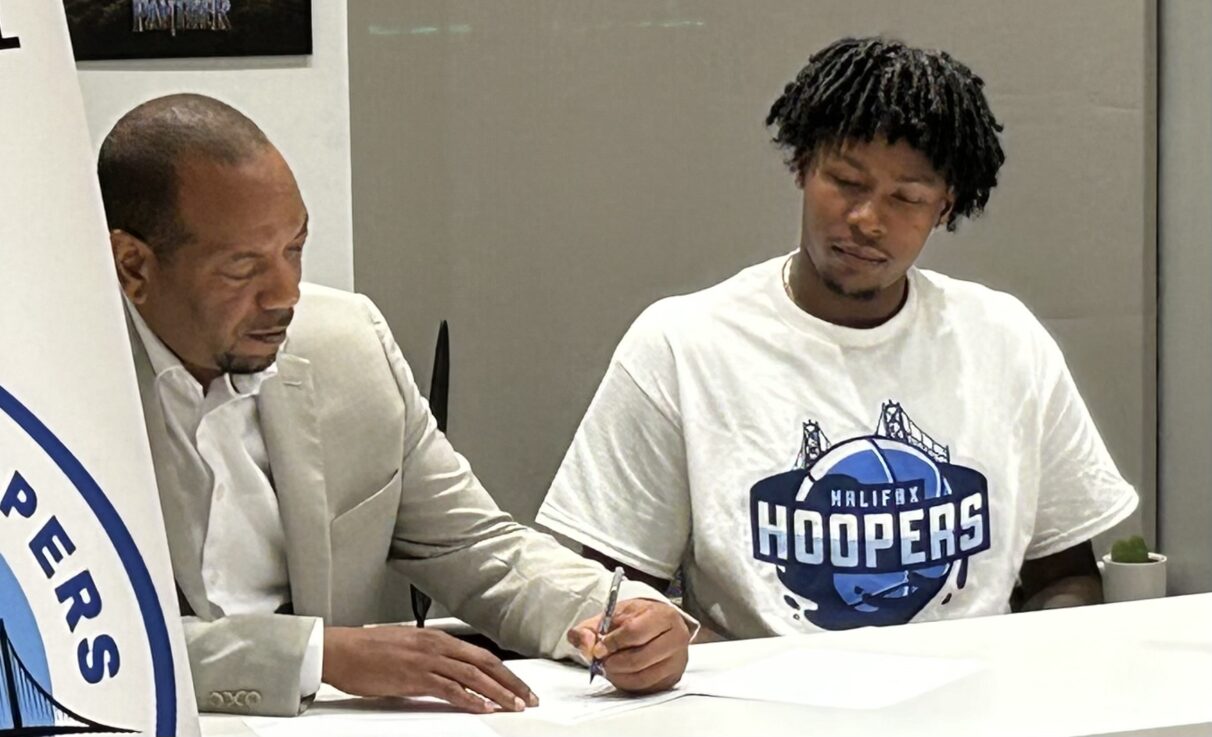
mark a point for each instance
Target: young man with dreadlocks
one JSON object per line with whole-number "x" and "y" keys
{"x": 835, "y": 438}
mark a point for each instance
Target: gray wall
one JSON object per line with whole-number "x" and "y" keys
{"x": 538, "y": 171}
{"x": 1185, "y": 268}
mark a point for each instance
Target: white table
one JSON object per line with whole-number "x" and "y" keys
{"x": 1141, "y": 668}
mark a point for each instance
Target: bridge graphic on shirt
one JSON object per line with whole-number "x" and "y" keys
{"x": 869, "y": 530}
{"x": 894, "y": 424}
{"x": 31, "y": 711}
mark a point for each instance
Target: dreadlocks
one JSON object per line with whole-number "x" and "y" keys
{"x": 856, "y": 89}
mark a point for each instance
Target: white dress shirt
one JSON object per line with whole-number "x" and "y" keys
{"x": 219, "y": 431}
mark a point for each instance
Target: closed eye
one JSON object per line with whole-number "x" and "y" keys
{"x": 239, "y": 276}
{"x": 847, "y": 183}
{"x": 300, "y": 240}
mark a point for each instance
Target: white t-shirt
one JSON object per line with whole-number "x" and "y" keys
{"x": 809, "y": 476}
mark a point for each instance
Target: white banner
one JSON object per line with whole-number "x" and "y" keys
{"x": 90, "y": 639}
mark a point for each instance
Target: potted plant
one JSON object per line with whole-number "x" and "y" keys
{"x": 1131, "y": 572}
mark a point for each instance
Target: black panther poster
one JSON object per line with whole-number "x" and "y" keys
{"x": 148, "y": 29}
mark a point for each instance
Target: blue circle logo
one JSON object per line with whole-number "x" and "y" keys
{"x": 869, "y": 532}
{"x": 870, "y": 598}
{"x": 23, "y": 652}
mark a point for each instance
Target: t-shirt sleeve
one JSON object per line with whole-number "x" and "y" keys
{"x": 622, "y": 488}
{"x": 1081, "y": 491}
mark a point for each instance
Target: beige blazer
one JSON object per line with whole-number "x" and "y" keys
{"x": 365, "y": 481}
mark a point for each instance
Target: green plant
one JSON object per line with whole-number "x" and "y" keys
{"x": 1130, "y": 550}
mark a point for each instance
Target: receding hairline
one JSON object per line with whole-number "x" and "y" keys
{"x": 189, "y": 122}
{"x": 139, "y": 161}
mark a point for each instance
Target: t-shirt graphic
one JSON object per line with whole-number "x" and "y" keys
{"x": 869, "y": 530}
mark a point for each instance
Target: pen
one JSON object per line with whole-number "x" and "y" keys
{"x": 595, "y": 667}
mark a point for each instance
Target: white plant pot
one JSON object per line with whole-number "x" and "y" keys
{"x": 1133, "y": 581}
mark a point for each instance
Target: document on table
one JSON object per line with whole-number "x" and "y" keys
{"x": 371, "y": 724}
{"x": 566, "y": 696}
{"x": 337, "y": 714}
{"x": 834, "y": 678}
{"x": 811, "y": 677}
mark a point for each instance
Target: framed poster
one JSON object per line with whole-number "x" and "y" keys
{"x": 152, "y": 29}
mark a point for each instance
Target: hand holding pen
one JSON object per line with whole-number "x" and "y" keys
{"x": 612, "y": 599}
{"x": 641, "y": 647}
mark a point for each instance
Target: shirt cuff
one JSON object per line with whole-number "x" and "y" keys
{"x": 313, "y": 662}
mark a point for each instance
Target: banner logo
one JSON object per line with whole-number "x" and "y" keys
{"x": 90, "y": 637}
{"x": 58, "y": 531}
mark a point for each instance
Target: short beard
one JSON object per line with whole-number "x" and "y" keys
{"x": 229, "y": 363}
{"x": 862, "y": 295}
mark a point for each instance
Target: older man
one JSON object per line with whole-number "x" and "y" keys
{"x": 297, "y": 460}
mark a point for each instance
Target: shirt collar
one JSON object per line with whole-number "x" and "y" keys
{"x": 164, "y": 361}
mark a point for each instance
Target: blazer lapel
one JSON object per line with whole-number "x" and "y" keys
{"x": 177, "y": 505}
{"x": 290, "y": 425}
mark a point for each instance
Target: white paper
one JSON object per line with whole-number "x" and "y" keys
{"x": 834, "y": 678}
{"x": 566, "y": 696}
{"x": 338, "y": 714}
{"x": 830, "y": 678}
{"x": 371, "y": 724}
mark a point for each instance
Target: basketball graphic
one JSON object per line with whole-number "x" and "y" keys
{"x": 870, "y": 530}
{"x": 878, "y": 461}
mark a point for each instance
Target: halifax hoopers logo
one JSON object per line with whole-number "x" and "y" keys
{"x": 868, "y": 531}
{"x": 84, "y": 644}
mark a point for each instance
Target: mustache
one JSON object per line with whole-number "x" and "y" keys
{"x": 272, "y": 320}
{"x": 858, "y": 239}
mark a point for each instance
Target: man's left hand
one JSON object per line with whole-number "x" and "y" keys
{"x": 646, "y": 648}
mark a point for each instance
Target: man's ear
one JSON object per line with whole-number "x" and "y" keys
{"x": 948, "y": 205}
{"x": 133, "y": 260}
